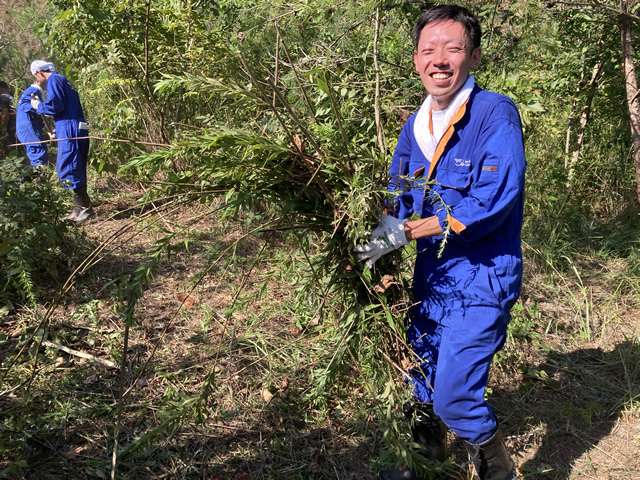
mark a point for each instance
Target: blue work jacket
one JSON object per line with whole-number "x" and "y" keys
{"x": 30, "y": 125}
{"x": 477, "y": 194}
{"x": 63, "y": 103}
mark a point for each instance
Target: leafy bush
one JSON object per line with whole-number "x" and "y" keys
{"x": 31, "y": 233}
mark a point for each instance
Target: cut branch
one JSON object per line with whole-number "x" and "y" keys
{"x": 78, "y": 353}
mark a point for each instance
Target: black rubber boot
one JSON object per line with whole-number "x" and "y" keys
{"x": 85, "y": 214}
{"x": 82, "y": 209}
{"x": 81, "y": 198}
{"x": 491, "y": 459}
{"x": 428, "y": 431}
{"x": 73, "y": 215}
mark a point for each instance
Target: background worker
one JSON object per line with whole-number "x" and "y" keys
{"x": 7, "y": 119}
{"x": 63, "y": 103}
{"x": 30, "y": 126}
{"x": 469, "y": 141}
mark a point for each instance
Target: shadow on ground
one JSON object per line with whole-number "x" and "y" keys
{"x": 578, "y": 401}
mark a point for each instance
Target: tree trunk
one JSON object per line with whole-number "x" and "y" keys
{"x": 631, "y": 85}
{"x": 584, "y": 120}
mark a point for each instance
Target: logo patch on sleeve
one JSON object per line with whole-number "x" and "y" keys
{"x": 489, "y": 168}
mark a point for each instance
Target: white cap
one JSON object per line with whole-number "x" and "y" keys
{"x": 41, "y": 66}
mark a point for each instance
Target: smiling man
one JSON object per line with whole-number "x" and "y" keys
{"x": 468, "y": 143}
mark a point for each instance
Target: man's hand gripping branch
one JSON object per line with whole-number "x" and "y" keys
{"x": 386, "y": 237}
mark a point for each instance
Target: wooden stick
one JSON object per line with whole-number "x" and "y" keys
{"x": 93, "y": 137}
{"x": 77, "y": 353}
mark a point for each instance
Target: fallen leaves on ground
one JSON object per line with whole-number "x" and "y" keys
{"x": 185, "y": 299}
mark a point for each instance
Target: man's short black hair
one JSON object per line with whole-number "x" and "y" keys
{"x": 3, "y": 85}
{"x": 443, "y": 13}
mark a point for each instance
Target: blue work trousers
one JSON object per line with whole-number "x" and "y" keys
{"x": 456, "y": 354}
{"x": 72, "y": 162}
{"x": 37, "y": 154}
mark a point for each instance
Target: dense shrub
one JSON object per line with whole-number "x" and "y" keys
{"x": 32, "y": 236}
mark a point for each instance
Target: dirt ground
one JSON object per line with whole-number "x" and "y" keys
{"x": 566, "y": 389}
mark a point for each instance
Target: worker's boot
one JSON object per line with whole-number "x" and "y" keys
{"x": 491, "y": 459}
{"x": 428, "y": 431}
{"x": 73, "y": 215}
{"x": 82, "y": 209}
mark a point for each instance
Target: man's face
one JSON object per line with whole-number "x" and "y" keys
{"x": 443, "y": 59}
{"x": 41, "y": 78}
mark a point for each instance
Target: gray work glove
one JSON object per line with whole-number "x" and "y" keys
{"x": 34, "y": 103}
{"x": 386, "y": 237}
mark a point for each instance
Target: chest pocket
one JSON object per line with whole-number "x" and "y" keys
{"x": 458, "y": 177}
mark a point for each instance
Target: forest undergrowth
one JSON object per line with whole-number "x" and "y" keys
{"x": 227, "y": 348}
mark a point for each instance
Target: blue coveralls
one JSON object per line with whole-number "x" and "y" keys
{"x": 30, "y": 127}
{"x": 63, "y": 103}
{"x": 463, "y": 299}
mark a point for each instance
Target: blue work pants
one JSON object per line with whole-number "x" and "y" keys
{"x": 456, "y": 355}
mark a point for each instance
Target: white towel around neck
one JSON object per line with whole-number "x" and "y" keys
{"x": 426, "y": 141}
{"x": 42, "y": 95}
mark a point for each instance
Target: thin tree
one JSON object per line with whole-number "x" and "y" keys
{"x": 625, "y": 21}
{"x": 624, "y": 17}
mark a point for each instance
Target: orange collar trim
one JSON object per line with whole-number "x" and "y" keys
{"x": 447, "y": 135}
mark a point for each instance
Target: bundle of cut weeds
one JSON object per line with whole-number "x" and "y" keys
{"x": 309, "y": 174}
{"x": 315, "y": 177}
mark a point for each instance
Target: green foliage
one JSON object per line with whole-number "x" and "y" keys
{"x": 524, "y": 324}
{"x": 303, "y": 143}
{"x": 20, "y": 42}
{"x": 116, "y": 51}
{"x": 32, "y": 236}
{"x": 543, "y": 57}
{"x": 310, "y": 158}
